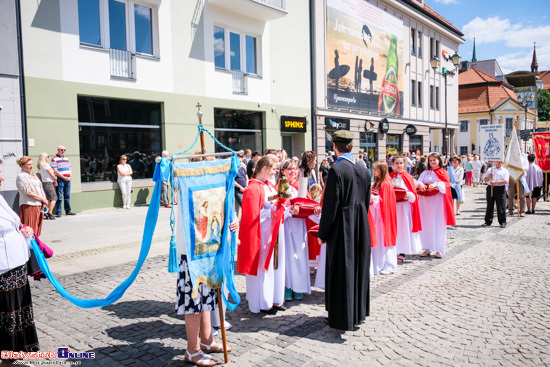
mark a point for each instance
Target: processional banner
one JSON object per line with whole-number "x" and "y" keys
{"x": 491, "y": 139}
{"x": 542, "y": 150}
{"x": 207, "y": 199}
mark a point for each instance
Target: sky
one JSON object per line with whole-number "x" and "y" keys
{"x": 504, "y": 30}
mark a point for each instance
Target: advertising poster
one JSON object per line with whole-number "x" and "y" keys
{"x": 542, "y": 150}
{"x": 491, "y": 140}
{"x": 364, "y": 58}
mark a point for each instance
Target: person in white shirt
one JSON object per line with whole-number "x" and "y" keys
{"x": 476, "y": 170}
{"x": 497, "y": 178}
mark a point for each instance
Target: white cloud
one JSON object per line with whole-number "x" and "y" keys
{"x": 495, "y": 29}
{"x": 447, "y": 1}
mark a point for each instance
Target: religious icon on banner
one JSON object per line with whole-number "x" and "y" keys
{"x": 208, "y": 217}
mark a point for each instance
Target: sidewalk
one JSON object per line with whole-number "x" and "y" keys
{"x": 100, "y": 238}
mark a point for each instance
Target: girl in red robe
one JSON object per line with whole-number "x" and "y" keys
{"x": 264, "y": 284}
{"x": 384, "y": 256}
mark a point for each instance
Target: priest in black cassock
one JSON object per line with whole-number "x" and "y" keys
{"x": 344, "y": 227}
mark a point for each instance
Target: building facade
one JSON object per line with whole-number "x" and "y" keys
{"x": 126, "y": 77}
{"x": 485, "y": 100}
{"x": 372, "y": 75}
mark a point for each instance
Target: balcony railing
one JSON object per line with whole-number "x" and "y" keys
{"x": 265, "y": 10}
{"x": 123, "y": 64}
{"x": 238, "y": 81}
{"x": 275, "y": 3}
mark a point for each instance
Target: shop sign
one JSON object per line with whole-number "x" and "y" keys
{"x": 336, "y": 124}
{"x": 369, "y": 125}
{"x": 291, "y": 124}
{"x": 384, "y": 125}
{"x": 411, "y": 129}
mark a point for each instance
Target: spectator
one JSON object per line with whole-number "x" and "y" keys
{"x": 323, "y": 170}
{"x": 49, "y": 183}
{"x": 330, "y": 158}
{"x": 422, "y": 165}
{"x": 138, "y": 167}
{"x": 164, "y": 189}
{"x": 409, "y": 163}
{"x": 247, "y": 157}
{"x": 17, "y": 328}
{"x": 31, "y": 196}
{"x": 252, "y": 164}
{"x": 389, "y": 162}
{"x": 124, "y": 173}
{"x": 241, "y": 181}
{"x": 62, "y": 169}
{"x": 307, "y": 171}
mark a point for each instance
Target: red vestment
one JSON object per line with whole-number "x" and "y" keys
{"x": 250, "y": 232}
{"x": 388, "y": 212}
{"x": 415, "y": 209}
{"x": 443, "y": 176}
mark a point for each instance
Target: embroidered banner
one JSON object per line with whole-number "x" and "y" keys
{"x": 542, "y": 150}
{"x": 207, "y": 199}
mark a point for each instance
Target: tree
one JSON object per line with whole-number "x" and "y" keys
{"x": 544, "y": 105}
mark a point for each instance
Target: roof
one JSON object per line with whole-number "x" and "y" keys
{"x": 480, "y": 92}
{"x": 545, "y": 76}
{"x": 434, "y": 15}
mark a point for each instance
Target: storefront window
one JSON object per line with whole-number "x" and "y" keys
{"x": 238, "y": 129}
{"x": 367, "y": 144}
{"x": 415, "y": 145}
{"x": 393, "y": 144}
{"x": 109, "y": 128}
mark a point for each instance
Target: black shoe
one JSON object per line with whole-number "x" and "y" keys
{"x": 486, "y": 225}
{"x": 70, "y": 213}
{"x": 533, "y": 212}
{"x": 280, "y": 308}
{"x": 46, "y": 217}
{"x": 58, "y": 215}
{"x": 528, "y": 212}
{"x": 271, "y": 311}
{"x": 50, "y": 216}
{"x": 503, "y": 225}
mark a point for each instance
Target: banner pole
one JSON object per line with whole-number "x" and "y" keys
{"x": 519, "y": 200}
{"x": 220, "y": 305}
{"x": 492, "y": 173}
{"x": 545, "y": 186}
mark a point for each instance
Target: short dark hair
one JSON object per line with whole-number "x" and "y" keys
{"x": 530, "y": 158}
{"x": 255, "y": 154}
{"x": 343, "y": 147}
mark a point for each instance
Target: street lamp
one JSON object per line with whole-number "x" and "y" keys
{"x": 528, "y": 100}
{"x": 434, "y": 62}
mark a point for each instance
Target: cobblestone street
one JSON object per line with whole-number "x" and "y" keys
{"x": 486, "y": 303}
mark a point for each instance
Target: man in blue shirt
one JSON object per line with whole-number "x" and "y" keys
{"x": 62, "y": 168}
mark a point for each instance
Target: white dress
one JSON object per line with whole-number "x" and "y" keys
{"x": 432, "y": 212}
{"x": 382, "y": 257}
{"x": 297, "y": 254}
{"x": 407, "y": 242}
{"x": 267, "y": 288}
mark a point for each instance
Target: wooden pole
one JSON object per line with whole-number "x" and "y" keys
{"x": 519, "y": 199}
{"x": 492, "y": 176}
{"x": 220, "y": 306}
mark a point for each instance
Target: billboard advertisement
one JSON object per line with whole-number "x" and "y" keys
{"x": 364, "y": 58}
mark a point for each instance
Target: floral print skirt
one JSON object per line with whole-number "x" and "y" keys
{"x": 17, "y": 330}
{"x": 206, "y": 299}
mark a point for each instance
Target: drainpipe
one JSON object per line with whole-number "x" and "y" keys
{"x": 21, "y": 78}
{"x": 313, "y": 75}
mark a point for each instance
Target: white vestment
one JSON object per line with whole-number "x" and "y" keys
{"x": 434, "y": 217}
{"x": 383, "y": 257}
{"x": 407, "y": 242}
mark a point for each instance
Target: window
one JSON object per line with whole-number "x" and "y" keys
{"x": 419, "y": 44}
{"x": 509, "y": 126}
{"x": 483, "y": 122}
{"x": 109, "y": 128}
{"x": 243, "y": 50}
{"x": 413, "y": 41}
{"x": 463, "y": 150}
{"x": 238, "y": 129}
{"x": 419, "y": 94}
{"x": 432, "y": 47}
{"x": 126, "y": 26}
{"x": 432, "y": 97}
{"x": 88, "y": 25}
{"x": 413, "y": 92}
{"x": 464, "y": 126}
{"x": 437, "y": 53}
{"x": 437, "y": 98}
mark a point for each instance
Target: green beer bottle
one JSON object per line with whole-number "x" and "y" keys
{"x": 389, "y": 95}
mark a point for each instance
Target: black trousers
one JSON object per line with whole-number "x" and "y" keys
{"x": 499, "y": 197}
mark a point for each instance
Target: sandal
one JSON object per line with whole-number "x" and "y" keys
{"x": 425, "y": 253}
{"x": 401, "y": 258}
{"x": 205, "y": 359}
{"x": 438, "y": 255}
{"x": 210, "y": 348}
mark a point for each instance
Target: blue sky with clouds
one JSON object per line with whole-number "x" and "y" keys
{"x": 504, "y": 29}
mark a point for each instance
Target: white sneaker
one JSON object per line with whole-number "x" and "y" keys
{"x": 214, "y": 332}
{"x": 385, "y": 272}
{"x": 227, "y": 325}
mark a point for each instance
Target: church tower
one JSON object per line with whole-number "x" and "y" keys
{"x": 534, "y": 63}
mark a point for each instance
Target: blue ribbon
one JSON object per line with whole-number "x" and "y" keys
{"x": 162, "y": 170}
{"x": 458, "y": 188}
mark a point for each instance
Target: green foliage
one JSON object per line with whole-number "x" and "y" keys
{"x": 544, "y": 105}
{"x": 283, "y": 188}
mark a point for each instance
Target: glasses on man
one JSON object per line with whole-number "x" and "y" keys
{"x": 62, "y": 150}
